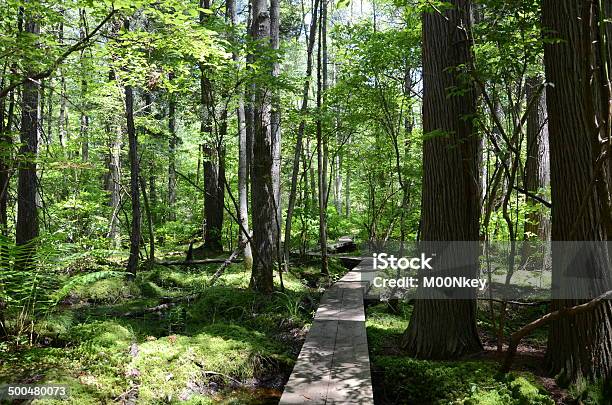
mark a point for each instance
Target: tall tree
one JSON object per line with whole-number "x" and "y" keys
{"x": 172, "y": 141}
{"x": 213, "y": 164}
{"x": 537, "y": 164}
{"x": 580, "y": 346}
{"x": 300, "y": 135}
{"x": 321, "y": 140}
{"x": 134, "y": 175}
{"x": 243, "y": 210}
{"x": 27, "y": 186}
{"x": 263, "y": 203}
{"x": 442, "y": 328}
{"x": 275, "y": 116}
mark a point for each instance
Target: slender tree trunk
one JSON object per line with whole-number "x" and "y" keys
{"x": 321, "y": 158}
{"x": 27, "y": 186}
{"x": 537, "y": 167}
{"x": 580, "y": 346}
{"x": 300, "y": 135}
{"x": 115, "y": 184}
{"x": 243, "y": 209}
{"x": 84, "y": 120}
{"x": 63, "y": 112}
{"x": 444, "y": 328}
{"x": 172, "y": 141}
{"x": 212, "y": 170}
{"x": 347, "y": 189}
{"x": 275, "y": 118}
{"x": 134, "y": 178}
{"x": 6, "y": 141}
{"x": 264, "y": 211}
{"x": 145, "y": 199}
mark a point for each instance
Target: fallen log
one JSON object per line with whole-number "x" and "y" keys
{"x": 226, "y": 263}
{"x": 199, "y": 261}
{"x": 166, "y": 303}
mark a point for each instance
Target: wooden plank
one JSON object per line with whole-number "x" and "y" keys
{"x": 334, "y": 366}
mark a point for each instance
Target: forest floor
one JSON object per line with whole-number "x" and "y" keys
{"x": 230, "y": 345}
{"x": 399, "y": 379}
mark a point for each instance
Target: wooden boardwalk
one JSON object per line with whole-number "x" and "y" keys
{"x": 334, "y": 366}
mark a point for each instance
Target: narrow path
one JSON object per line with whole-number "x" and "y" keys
{"x": 334, "y": 366}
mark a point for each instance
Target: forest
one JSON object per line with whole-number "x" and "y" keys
{"x": 183, "y": 181}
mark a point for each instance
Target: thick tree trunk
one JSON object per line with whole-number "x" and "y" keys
{"x": 27, "y": 186}
{"x": 300, "y": 135}
{"x": 134, "y": 180}
{"x": 264, "y": 211}
{"x": 581, "y": 346}
{"x": 442, "y": 328}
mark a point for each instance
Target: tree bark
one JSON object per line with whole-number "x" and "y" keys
{"x": 443, "y": 328}
{"x": 578, "y": 347}
{"x": 264, "y": 210}
{"x": 27, "y": 186}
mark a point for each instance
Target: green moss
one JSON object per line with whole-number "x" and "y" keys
{"x": 149, "y": 289}
{"x": 171, "y": 367}
{"x": 109, "y": 290}
{"x": 228, "y": 333}
{"x": 102, "y": 335}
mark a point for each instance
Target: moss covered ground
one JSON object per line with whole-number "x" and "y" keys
{"x": 227, "y": 344}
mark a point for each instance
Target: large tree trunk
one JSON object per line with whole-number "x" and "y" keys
{"x": 580, "y": 346}
{"x": 27, "y": 186}
{"x": 300, "y": 134}
{"x": 441, "y": 329}
{"x": 264, "y": 211}
{"x": 134, "y": 179}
